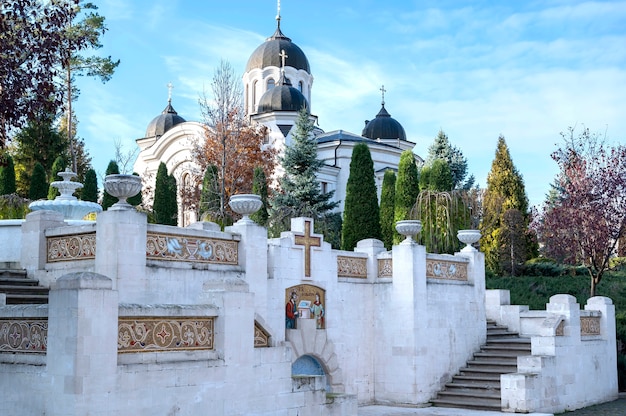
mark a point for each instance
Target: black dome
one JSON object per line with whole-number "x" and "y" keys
{"x": 383, "y": 127}
{"x": 164, "y": 121}
{"x": 282, "y": 98}
{"x": 268, "y": 54}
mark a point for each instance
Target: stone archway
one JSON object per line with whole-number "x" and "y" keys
{"x": 307, "y": 340}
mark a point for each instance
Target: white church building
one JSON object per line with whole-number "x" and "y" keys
{"x": 277, "y": 83}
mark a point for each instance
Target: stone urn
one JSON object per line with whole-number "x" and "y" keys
{"x": 409, "y": 228}
{"x": 122, "y": 187}
{"x": 245, "y": 205}
{"x": 468, "y": 237}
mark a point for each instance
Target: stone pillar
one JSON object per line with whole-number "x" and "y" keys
{"x": 121, "y": 251}
{"x": 371, "y": 247}
{"x": 253, "y": 260}
{"x": 34, "y": 249}
{"x": 82, "y": 346}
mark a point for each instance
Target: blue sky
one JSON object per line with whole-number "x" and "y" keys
{"x": 526, "y": 70}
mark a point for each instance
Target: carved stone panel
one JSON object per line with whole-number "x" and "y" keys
{"x": 445, "y": 269}
{"x": 385, "y": 268}
{"x": 184, "y": 248}
{"x": 352, "y": 267}
{"x": 589, "y": 325}
{"x": 71, "y": 247}
{"x": 145, "y": 334}
{"x": 26, "y": 335}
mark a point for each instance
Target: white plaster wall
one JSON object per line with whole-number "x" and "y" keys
{"x": 11, "y": 237}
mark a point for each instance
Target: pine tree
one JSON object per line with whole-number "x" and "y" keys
{"x": 361, "y": 215}
{"x": 107, "y": 199}
{"x": 7, "y": 176}
{"x": 442, "y": 149}
{"x": 58, "y": 166}
{"x": 210, "y": 195}
{"x": 300, "y": 194}
{"x": 407, "y": 189}
{"x": 505, "y": 191}
{"x": 90, "y": 187}
{"x": 38, "y": 183}
{"x": 387, "y": 201}
{"x": 259, "y": 187}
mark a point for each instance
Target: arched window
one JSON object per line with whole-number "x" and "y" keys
{"x": 253, "y": 103}
{"x": 270, "y": 83}
{"x": 301, "y": 87}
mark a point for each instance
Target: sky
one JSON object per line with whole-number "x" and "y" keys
{"x": 526, "y": 70}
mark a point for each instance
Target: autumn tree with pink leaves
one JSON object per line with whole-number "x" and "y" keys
{"x": 583, "y": 224}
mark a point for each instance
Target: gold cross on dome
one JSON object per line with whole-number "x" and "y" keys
{"x": 308, "y": 241}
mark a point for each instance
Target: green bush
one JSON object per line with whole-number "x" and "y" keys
{"x": 13, "y": 206}
{"x": 542, "y": 267}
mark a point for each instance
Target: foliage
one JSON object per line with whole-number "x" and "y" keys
{"x": 80, "y": 36}
{"x": 58, "y": 166}
{"x": 259, "y": 187}
{"x": 300, "y": 194}
{"x": 588, "y": 220}
{"x": 90, "y": 187}
{"x": 513, "y": 244}
{"x": 38, "y": 183}
{"x": 210, "y": 195}
{"x": 38, "y": 142}
{"x": 165, "y": 207}
{"x": 436, "y": 177}
{"x": 7, "y": 176}
{"x": 13, "y": 206}
{"x": 231, "y": 143}
{"x": 387, "y": 201}
{"x": 441, "y": 149}
{"x": 442, "y": 214}
{"x": 505, "y": 191}
{"x": 330, "y": 226}
{"x": 31, "y": 43}
{"x": 407, "y": 189}
{"x": 361, "y": 215}
{"x": 107, "y": 199}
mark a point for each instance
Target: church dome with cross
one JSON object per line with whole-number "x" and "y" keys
{"x": 164, "y": 121}
{"x": 283, "y": 97}
{"x": 383, "y": 127}
{"x": 268, "y": 53}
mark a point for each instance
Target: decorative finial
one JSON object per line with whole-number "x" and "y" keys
{"x": 278, "y": 14}
{"x": 383, "y": 90}
{"x": 169, "y": 92}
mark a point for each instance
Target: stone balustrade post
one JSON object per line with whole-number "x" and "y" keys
{"x": 34, "y": 248}
{"x": 371, "y": 247}
{"x": 82, "y": 345}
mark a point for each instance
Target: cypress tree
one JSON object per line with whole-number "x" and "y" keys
{"x": 259, "y": 187}
{"x": 107, "y": 199}
{"x": 7, "y": 176}
{"x": 165, "y": 206}
{"x": 361, "y": 215}
{"x": 172, "y": 207}
{"x": 58, "y": 166}
{"x": 505, "y": 191}
{"x": 407, "y": 190}
{"x": 38, "y": 183}
{"x": 210, "y": 195}
{"x": 136, "y": 199}
{"x": 90, "y": 187}
{"x": 387, "y": 201}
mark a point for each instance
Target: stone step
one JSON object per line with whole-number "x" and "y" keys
{"x": 29, "y": 299}
{"x": 471, "y": 403}
{"x": 20, "y": 290}
{"x": 492, "y": 382}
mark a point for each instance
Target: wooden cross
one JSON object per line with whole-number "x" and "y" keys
{"x": 283, "y": 56}
{"x": 308, "y": 241}
{"x": 383, "y": 91}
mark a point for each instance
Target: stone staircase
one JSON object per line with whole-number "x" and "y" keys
{"x": 477, "y": 385}
{"x": 19, "y": 289}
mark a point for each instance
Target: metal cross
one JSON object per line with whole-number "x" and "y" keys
{"x": 383, "y": 91}
{"x": 283, "y": 56}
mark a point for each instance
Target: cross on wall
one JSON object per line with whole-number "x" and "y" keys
{"x": 308, "y": 241}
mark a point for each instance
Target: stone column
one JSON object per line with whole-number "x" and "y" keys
{"x": 121, "y": 251}
{"x": 82, "y": 346}
{"x": 34, "y": 250}
{"x": 371, "y": 247}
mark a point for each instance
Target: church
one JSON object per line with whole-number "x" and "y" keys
{"x": 277, "y": 83}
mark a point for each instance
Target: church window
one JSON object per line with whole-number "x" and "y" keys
{"x": 324, "y": 187}
{"x": 270, "y": 83}
{"x": 253, "y": 103}
{"x": 300, "y": 86}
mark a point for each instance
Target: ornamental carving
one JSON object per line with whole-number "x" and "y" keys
{"x": 352, "y": 267}
{"x": 145, "y": 334}
{"x": 261, "y": 337}
{"x": 589, "y": 325}
{"x": 444, "y": 269}
{"x": 71, "y": 247}
{"x": 385, "y": 268}
{"x": 193, "y": 249}
{"x": 24, "y": 335}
